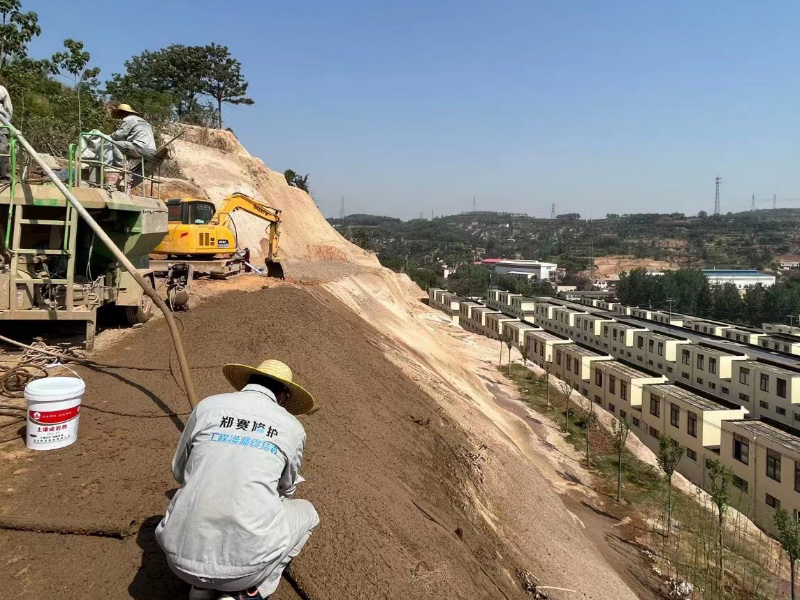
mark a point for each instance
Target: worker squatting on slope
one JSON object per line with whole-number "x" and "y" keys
{"x": 233, "y": 527}
{"x": 5, "y": 148}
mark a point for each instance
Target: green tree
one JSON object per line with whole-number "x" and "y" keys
{"x": 74, "y": 61}
{"x": 620, "y": 430}
{"x": 222, "y": 79}
{"x": 360, "y": 238}
{"x": 727, "y": 302}
{"x": 296, "y": 180}
{"x": 719, "y": 489}
{"x": 789, "y": 537}
{"x": 669, "y": 455}
{"x": 17, "y": 29}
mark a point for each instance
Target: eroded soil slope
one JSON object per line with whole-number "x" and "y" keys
{"x": 387, "y": 473}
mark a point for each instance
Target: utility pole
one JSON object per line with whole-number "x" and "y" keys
{"x": 591, "y": 242}
{"x": 791, "y": 321}
{"x": 753, "y": 203}
{"x": 341, "y": 209}
{"x": 553, "y": 211}
{"x": 670, "y": 300}
{"x": 774, "y": 201}
{"x": 718, "y": 180}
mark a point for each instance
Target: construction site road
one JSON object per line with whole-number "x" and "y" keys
{"x": 385, "y": 470}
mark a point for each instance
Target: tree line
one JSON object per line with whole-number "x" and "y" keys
{"x": 692, "y": 294}
{"x": 57, "y": 97}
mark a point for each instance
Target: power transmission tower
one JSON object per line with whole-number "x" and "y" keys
{"x": 718, "y": 180}
{"x": 341, "y": 209}
{"x": 753, "y": 203}
{"x": 474, "y": 205}
{"x": 553, "y": 211}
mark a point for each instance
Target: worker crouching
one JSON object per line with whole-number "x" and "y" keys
{"x": 233, "y": 527}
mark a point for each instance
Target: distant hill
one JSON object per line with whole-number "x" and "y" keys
{"x": 735, "y": 240}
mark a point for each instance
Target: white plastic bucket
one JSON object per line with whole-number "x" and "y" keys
{"x": 54, "y": 405}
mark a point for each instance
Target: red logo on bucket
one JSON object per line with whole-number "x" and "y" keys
{"x": 54, "y": 417}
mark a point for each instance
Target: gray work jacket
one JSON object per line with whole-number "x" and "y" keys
{"x": 5, "y": 102}
{"x": 238, "y": 457}
{"x": 137, "y": 131}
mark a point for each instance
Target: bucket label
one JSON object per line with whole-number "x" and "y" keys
{"x": 54, "y": 417}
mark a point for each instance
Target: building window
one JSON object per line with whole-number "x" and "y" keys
{"x": 612, "y": 383}
{"x": 739, "y": 483}
{"x": 654, "y": 432}
{"x": 685, "y": 375}
{"x": 650, "y": 344}
{"x": 577, "y": 366}
{"x": 686, "y": 357}
{"x": 691, "y": 454}
{"x": 612, "y": 408}
{"x": 598, "y": 400}
{"x": 674, "y": 415}
{"x": 744, "y": 376}
{"x": 605, "y": 331}
{"x": 772, "y": 502}
{"x": 741, "y": 449}
{"x": 744, "y": 397}
{"x": 700, "y": 361}
{"x": 691, "y": 424}
{"x": 623, "y": 390}
{"x": 636, "y": 421}
{"x": 700, "y": 380}
{"x": 639, "y": 341}
{"x": 614, "y": 335}
{"x": 661, "y": 348}
{"x": 764, "y": 382}
{"x": 712, "y": 365}
{"x": 655, "y": 406}
{"x": 773, "y": 465}
{"x": 797, "y": 476}
{"x": 763, "y": 404}
{"x": 623, "y": 414}
{"x": 780, "y": 411}
{"x": 569, "y": 362}
{"x": 781, "y": 388}
{"x": 598, "y": 377}
{"x": 725, "y": 390}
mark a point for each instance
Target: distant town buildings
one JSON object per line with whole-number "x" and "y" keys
{"x": 740, "y": 278}
{"x": 530, "y": 269}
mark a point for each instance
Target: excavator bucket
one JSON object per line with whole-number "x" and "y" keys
{"x": 274, "y": 269}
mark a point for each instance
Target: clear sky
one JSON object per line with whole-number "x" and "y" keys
{"x": 416, "y": 106}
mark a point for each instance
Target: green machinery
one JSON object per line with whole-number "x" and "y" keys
{"x": 51, "y": 266}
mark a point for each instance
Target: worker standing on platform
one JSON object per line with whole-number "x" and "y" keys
{"x": 233, "y": 527}
{"x": 5, "y": 146}
{"x": 134, "y": 136}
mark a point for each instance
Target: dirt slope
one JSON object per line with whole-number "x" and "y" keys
{"x": 386, "y": 471}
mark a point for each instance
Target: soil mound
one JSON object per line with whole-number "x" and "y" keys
{"x": 387, "y": 472}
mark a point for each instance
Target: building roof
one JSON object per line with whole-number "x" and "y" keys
{"x": 625, "y": 325}
{"x": 584, "y": 350}
{"x": 630, "y": 370}
{"x": 749, "y": 273}
{"x": 715, "y": 351}
{"x": 692, "y": 398}
{"x": 546, "y": 335}
{"x": 521, "y": 325}
{"x": 770, "y": 432}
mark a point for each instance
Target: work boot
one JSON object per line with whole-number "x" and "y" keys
{"x": 250, "y": 594}
{"x": 202, "y": 594}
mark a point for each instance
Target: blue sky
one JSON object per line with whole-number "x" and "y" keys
{"x": 408, "y": 107}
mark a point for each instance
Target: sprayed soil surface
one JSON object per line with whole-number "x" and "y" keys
{"x": 388, "y": 474}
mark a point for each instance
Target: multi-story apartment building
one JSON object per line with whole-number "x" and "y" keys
{"x": 563, "y": 320}
{"x": 521, "y": 307}
{"x": 540, "y": 346}
{"x": 782, "y": 343}
{"x": 657, "y": 351}
{"x": 666, "y": 318}
{"x": 479, "y": 314}
{"x": 500, "y": 299}
{"x": 617, "y": 338}
{"x": 445, "y": 301}
{"x": 766, "y": 469}
{"x": 743, "y": 335}
{"x": 495, "y": 323}
{"x": 689, "y": 417}
{"x": 588, "y": 328}
{"x": 517, "y": 331}
{"x": 573, "y": 364}
{"x": 618, "y": 386}
{"x": 707, "y": 368}
{"x": 780, "y": 328}
{"x": 767, "y": 391}
{"x": 710, "y": 327}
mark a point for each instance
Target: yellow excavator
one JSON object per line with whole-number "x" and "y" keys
{"x": 204, "y": 239}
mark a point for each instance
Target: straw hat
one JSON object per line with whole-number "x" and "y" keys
{"x": 299, "y": 402}
{"x": 122, "y": 108}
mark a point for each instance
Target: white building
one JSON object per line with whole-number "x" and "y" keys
{"x": 530, "y": 269}
{"x": 740, "y": 278}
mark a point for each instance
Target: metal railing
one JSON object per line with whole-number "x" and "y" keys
{"x": 11, "y": 156}
{"x": 101, "y": 166}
